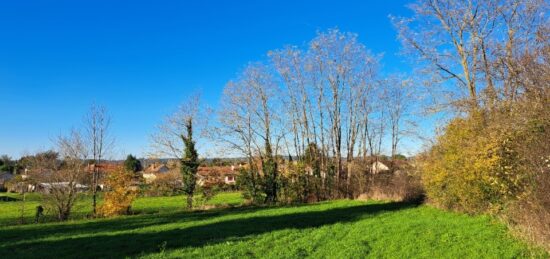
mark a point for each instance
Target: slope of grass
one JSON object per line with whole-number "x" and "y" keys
{"x": 337, "y": 229}
{"x": 10, "y": 211}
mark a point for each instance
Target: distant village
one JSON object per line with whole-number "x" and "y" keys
{"x": 151, "y": 171}
{"x": 165, "y": 173}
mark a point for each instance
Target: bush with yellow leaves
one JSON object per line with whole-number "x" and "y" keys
{"x": 473, "y": 167}
{"x": 120, "y": 195}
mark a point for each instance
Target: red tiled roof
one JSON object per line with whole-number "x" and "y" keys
{"x": 105, "y": 168}
{"x": 215, "y": 170}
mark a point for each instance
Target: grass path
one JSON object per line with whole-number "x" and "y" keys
{"x": 336, "y": 229}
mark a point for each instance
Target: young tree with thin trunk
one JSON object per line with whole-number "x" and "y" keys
{"x": 97, "y": 127}
{"x": 398, "y": 96}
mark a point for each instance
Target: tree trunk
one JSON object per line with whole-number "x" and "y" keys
{"x": 94, "y": 192}
{"x": 189, "y": 201}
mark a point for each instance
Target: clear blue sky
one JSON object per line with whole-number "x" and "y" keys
{"x": 140, "y": 59}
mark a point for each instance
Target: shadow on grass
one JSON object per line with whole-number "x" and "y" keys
{"x": 136, "y": 243}
{"x": 7, "y": 198}
{"x": 123, "y": 223}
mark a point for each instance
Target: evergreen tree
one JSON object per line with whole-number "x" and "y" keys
{"x": 7, "y": 164}
{"x": 189, "y": 164}
{"x": 132, "y": 164}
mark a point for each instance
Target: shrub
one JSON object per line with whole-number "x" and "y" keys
{"x": 166, "y": 184}
{"x": 297, "y": 185}
{"x": 495, "y": 162}
{"x": 250, "y": 183}
{"x": 530, "y": 214}
{"x": 206, "y": 194}
{"x": 400, "y": 186}
{"x": 472, "y": 167}
{"x": 120, "y": 195}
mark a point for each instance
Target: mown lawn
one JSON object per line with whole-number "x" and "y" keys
{"x": 336, "y": 229}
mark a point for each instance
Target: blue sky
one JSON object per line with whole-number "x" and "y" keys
{"x": 141, "y": 59}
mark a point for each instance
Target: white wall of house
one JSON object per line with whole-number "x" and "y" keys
{"x": 229, "y": 179}
{"x": 149, "y": 177}
{"x": 378, "y": 167}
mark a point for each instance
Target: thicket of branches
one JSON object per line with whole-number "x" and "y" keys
{"x": 490, "y": 61}
{"x": 310, "y": 114}
{"x": 61, "y": 173}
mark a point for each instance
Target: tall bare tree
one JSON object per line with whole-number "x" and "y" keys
{"x": 459, "y": 43}
{"x": 289, "y": 63}
{"x": 97, "y": 127}
{"x": 343, "y": 70}
{"x": 323, "y": 92}
{"x": 176, "y": 138}
{"x": 249, "y": 122}
{"x": 398, "y": 96}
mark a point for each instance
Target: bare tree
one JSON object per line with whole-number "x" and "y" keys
{"x": 289, "y": 63}
{"x": 449, "y": 48}
{"x": 248, "y": 122}
{"x": 167, "y": 140}
{"x": 60, "y": 174}
{"x": 459, "y": 42}
{"x": 343, "y": 70}
{"x": 398, "y": 98}
{"x": 330, "y": 96}
{"x": 237, "y": 129}
{"x": 322, "y": 95}
{"x": 175, "y": 138}
{"x": 97, "y": 123}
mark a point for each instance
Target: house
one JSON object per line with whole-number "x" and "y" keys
{"x": 104, "y": 167}
{"x": 379, "y": 167}
{"x": 150, "y": 173}
{"x": 47, "y": 187}
{"x": 21, "y": 187}
{"x": 230, "y": 179}
{"x": 216, "y": 175}
{"x": 157, "y": 168}
{"x": 206, "y": 175}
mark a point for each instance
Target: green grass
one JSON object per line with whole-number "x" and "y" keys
{"x": 336, "y": 229}
{"x": 10, "y": 211}
{"x": 177, "y": 203}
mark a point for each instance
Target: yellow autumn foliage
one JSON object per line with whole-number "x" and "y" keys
{"x": 472, "y": 167}
{"x": 120, "y": 195}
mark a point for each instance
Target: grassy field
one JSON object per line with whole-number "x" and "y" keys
{"x": 10, "y": 211}
{"x": 336, "y": 229}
